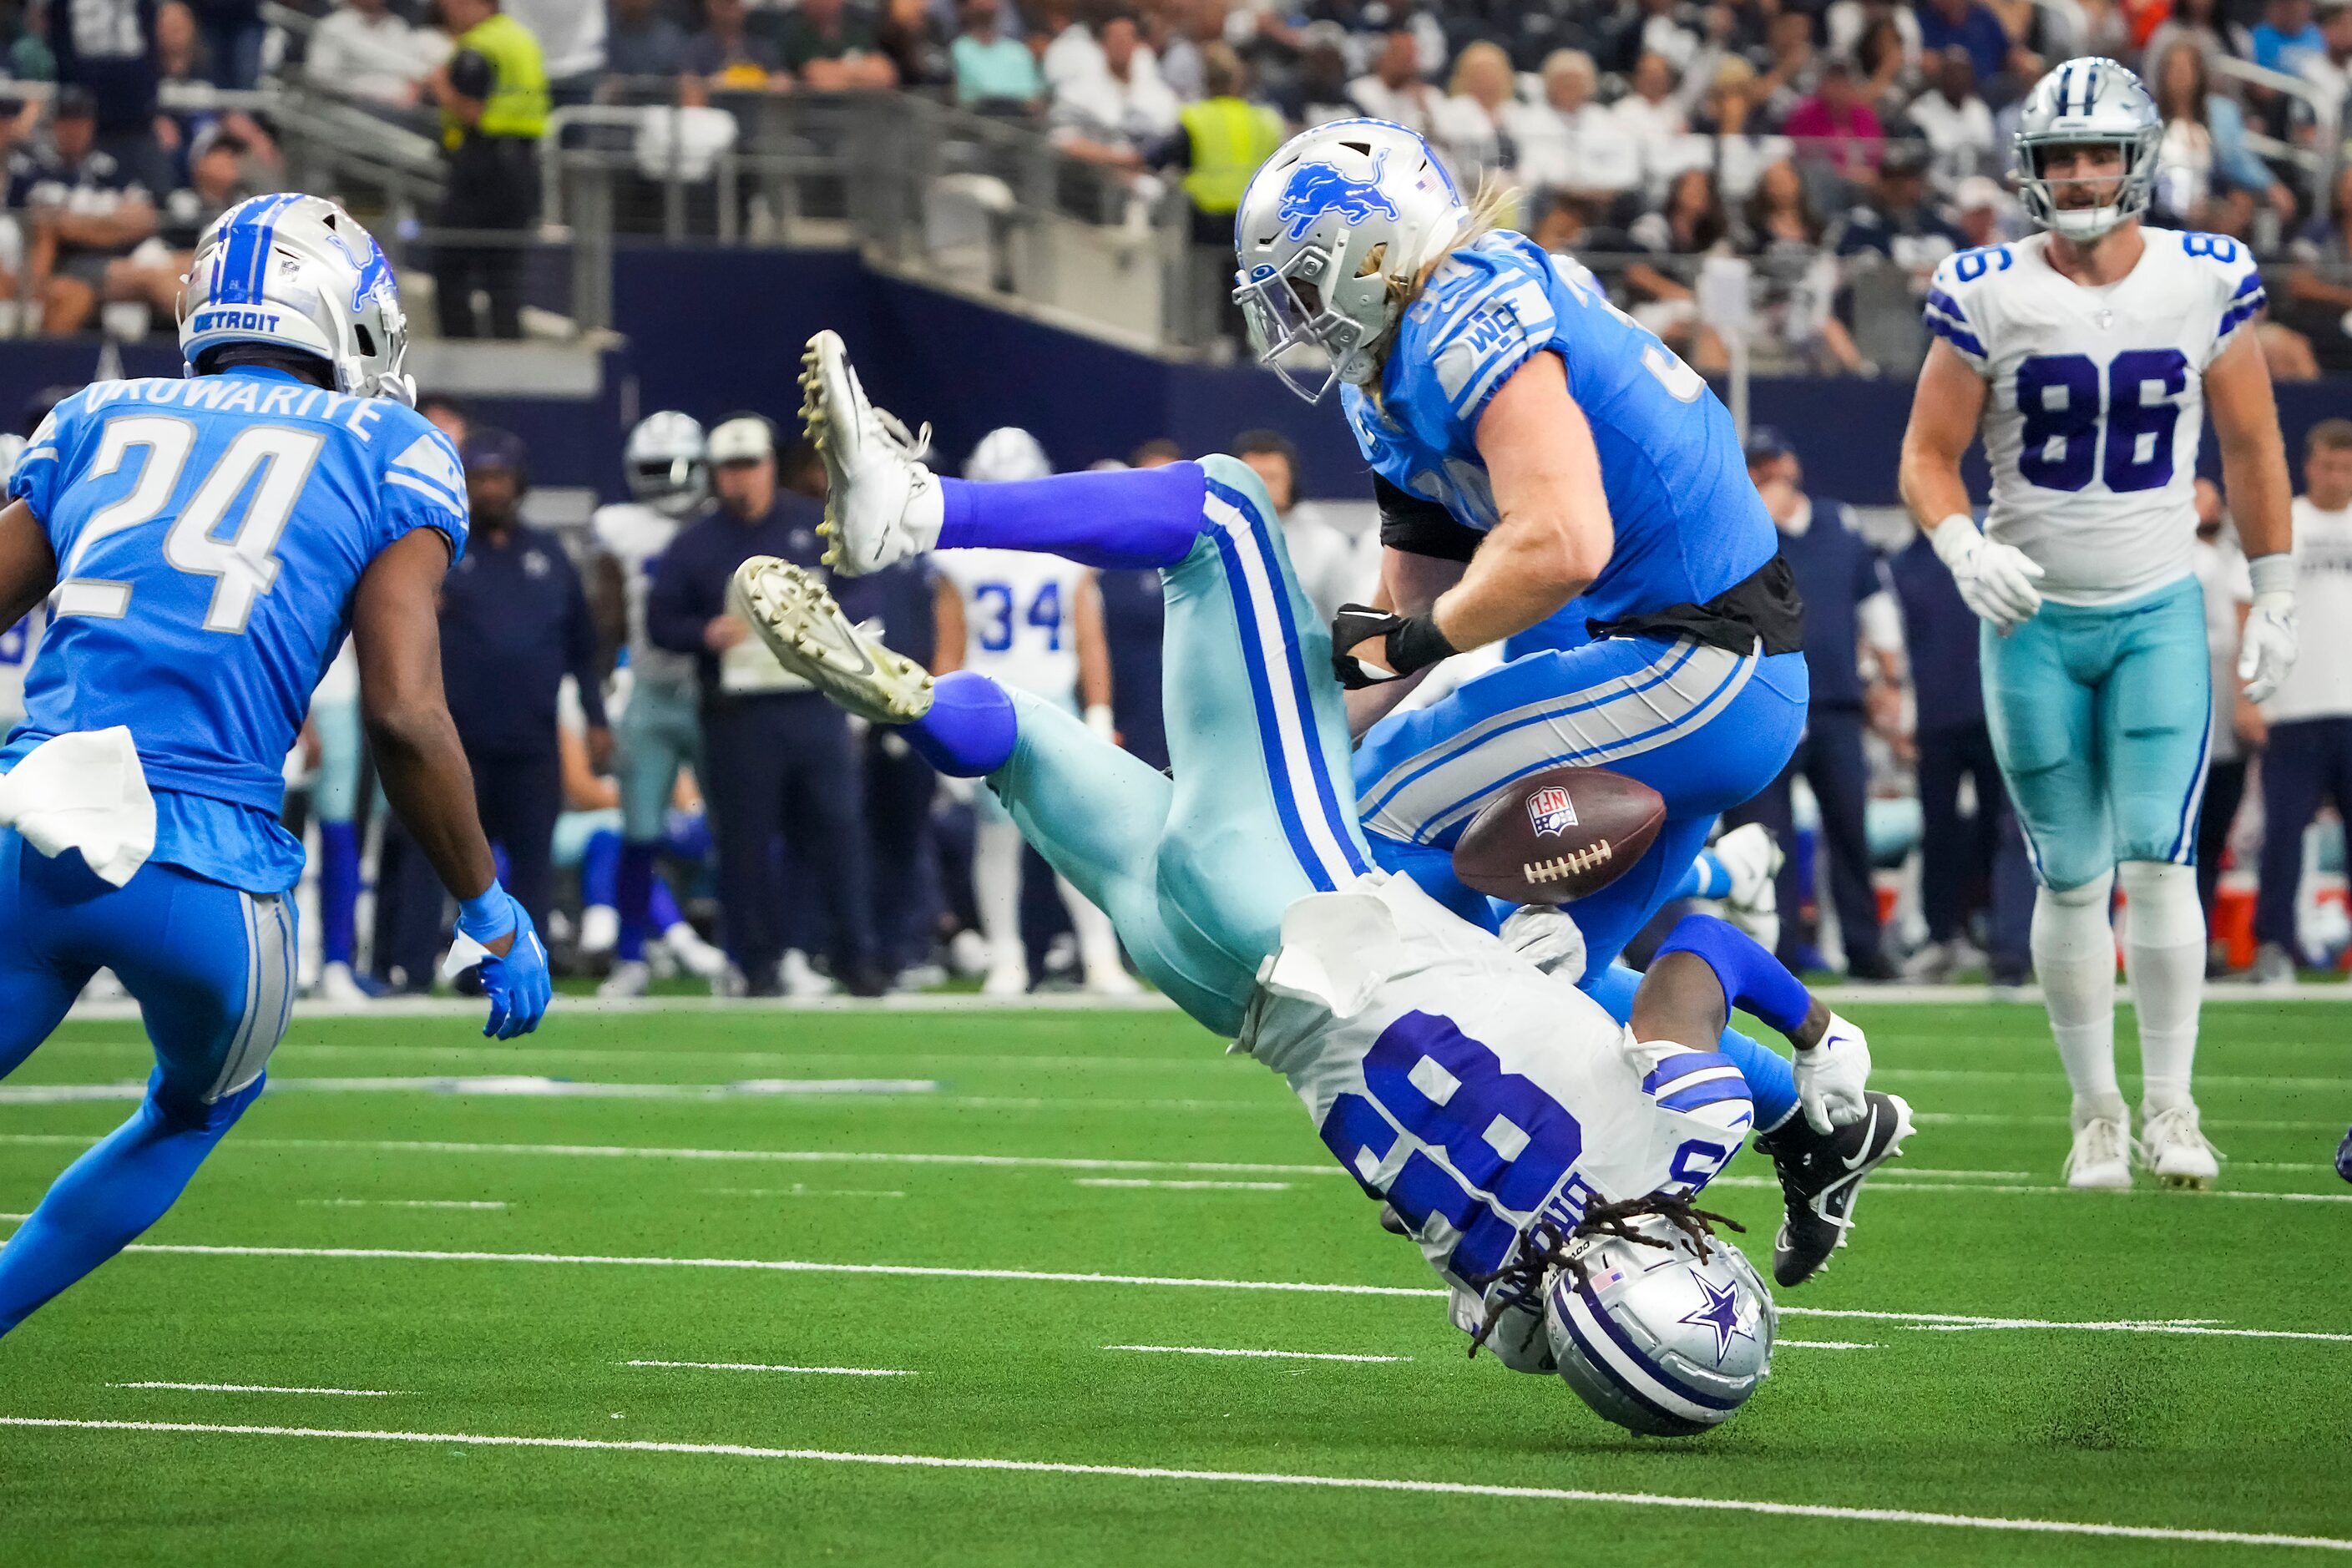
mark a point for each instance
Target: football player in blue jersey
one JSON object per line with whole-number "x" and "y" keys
{"x": 1538, "y": 457}
{"x": 204, "y": 545}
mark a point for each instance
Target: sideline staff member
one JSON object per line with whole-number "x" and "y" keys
{"x": 493, "y": 98}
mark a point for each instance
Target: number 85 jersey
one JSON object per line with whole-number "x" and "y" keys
{"x": 2095, "y": 400}
{"x": 209, "y": 534}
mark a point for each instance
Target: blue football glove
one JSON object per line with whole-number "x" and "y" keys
{"x": 518, "y": 985}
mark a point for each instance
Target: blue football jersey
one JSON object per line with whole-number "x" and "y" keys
{"x": 1688, "y": 523}
{"x": 209, "y": 534}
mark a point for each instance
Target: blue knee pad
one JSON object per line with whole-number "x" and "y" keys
{"x": 1771, "y": 1082}
{"x": 970, "y": 731}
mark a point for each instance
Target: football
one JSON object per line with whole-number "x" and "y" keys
{"x": 1558, "y": 835}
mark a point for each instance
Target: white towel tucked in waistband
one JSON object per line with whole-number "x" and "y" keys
{"x": 84, "y": 791}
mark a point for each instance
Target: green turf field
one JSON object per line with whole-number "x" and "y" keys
{"x": 476, "y": 1268}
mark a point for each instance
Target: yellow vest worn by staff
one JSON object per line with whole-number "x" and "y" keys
{"x": 517, "y": 106}
{"x": 1230, "y": 137}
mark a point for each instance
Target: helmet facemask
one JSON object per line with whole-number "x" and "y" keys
{"x": 2132, "y": 184}
{"x": 1299, "y": 330}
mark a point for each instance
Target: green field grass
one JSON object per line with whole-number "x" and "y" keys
{"x": 324, "y": 1248}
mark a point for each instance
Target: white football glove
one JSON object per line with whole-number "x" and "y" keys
{"x": 1831, "y": 1076}
{"x": 1996, "y": 580}
{"x": 2266, "y": 649}
{"x": 1547, "y": 938}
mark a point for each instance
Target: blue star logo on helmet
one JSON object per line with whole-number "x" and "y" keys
{"x": 1318, "y": 188}
{"x": 1721, "y": 1313}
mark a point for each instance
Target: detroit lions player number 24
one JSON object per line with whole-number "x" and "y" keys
{"x": 204, "y": 544}
{"x": 2089, "y": 353}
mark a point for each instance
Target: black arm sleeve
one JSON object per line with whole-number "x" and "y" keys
{"x": 1421, "y": 527}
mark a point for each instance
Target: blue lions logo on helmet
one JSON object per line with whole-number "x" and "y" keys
{"x": 1319, "y": 189}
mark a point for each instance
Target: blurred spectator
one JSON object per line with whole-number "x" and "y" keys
{"x": 727, "y": 57}
{"x": 493, "y": 97}
{"x": 1983, "y": 211}
{"x": 1967, "y": 24}
{"x": 216, "y": 183}
{"x": 1120, "y": 116}
{"x": 645, "y": 52}
{"x": 1851, "y": 23}
{"x": 2206, "y": 176}
{"x": 109, "y": 52}
{"x": 1692, "y": 224}
{"x": 363, "y": 50}
{"x": 1651, "y": 117}
{"x": 1068, "y": 50}
{"x": 912, "y": 41}
{"x": 1665, "y": 33}
{"x": 1957, "y": 122}
{"x": 831, "y": 48}
{"x": 514, "y": 622}
{"x": 87, "y": 211}
{"x": 1850, "y": 611}
{"x": 1899, "y": 221}
{"x": 994, "y": 69}
{"x": 1176, "y": 50}
{"x": 1225, "y": 139}
{"x": 2329, "y": 68}
{"x": 177, "y": 64}
{"x": 29, "y": 58}
{"x": 1959, "y": 855}
{"x": 1741, "y": 149}
{"x": 1888, "y": 67}
{"x": 2319, "y": 285}
{"x": 1799, "y": 283}
{"x": 570, "y": 35}
{"x": 1567, "y": 227}
{"x": 1793, "y": 68}
{"x": 1836, "y": 126}
{"x": 781, "y": 763}
{"x": 2284, "y": 35}
{"x": 1333, "y": 568}
{"x": 1569, "y": 142}
{"x": 232, "y": 38}
{"x": 2237, "y": 729}
{"x": 2308, "y": 759}
{"x": 1473, "y": 123}
{"x": 448, "y": 414}
{"x": 2192, "y": 21}
{"x": 1392, "y": 90}
{"x": 1317, "y": 92}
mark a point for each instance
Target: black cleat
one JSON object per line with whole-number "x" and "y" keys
{"x": 1821, "y": 1175}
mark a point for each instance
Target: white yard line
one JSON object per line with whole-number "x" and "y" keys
{"x": 2196, "y": 1326}
{"x": 513, "y": 1086}
{"x": 1955, "y": 1175}
{"x": 2059, "y": 1119}
{"x": 402, "y": 1203}
{"x": 798, "y": 1191}
{"x": 262, "y": 1388}
{"x": 1267, "y": 1355}
{"x": 1824, "y": 1345}
{"x": 761, "y": 1366}
{"x": 1229, "y": 1478}
{"x": 1182, "y": 1187}
{"x": 2023, "y": 1191}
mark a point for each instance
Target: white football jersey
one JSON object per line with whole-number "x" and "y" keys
{"x": 1020, "y": 616}
{"x": 2095, "y": 400}
{"x": 1470, "y": 1090}
{"x": 18, "y": 643}
{"x": 637, "y": 536}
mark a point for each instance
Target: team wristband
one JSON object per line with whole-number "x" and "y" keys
{"x": 488, "y": 915}
{"x": 2272, "y": 573}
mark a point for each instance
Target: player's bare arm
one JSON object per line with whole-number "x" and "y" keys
{"x": 1996, "y": 580}
{"x": 2254, "y": 467}
{"x": 946, "y": 616}
{"x": 1555, "y": 536}
{"x": 396, "y": 626}
{"x": 1094, "y": 653}
{"x": 28, "y": 566}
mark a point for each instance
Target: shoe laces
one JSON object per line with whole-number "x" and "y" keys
{"x": 2176, "y": 1124}
{"x": 2099, "y": 1142}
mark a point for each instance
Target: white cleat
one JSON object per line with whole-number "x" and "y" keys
{"x": 338, "y": 984}
{"x": 810, "y": 636}
{"x": 696, "y": 956}
{"x": 799, "y": 977}
{"x": 1111, "y": 978}
{"x": 1008, "y": 977}
{"x": 882, "y": 505}
{"x": 2174, "y": 1152}
{"x": 600, "y": 928}
{"x": 630, "y": 977}
{"x": 2100, "y": 1158}
{"x": 1752, "y": 856}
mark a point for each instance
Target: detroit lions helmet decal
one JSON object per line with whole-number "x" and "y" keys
{"x": 1318, "y": 188}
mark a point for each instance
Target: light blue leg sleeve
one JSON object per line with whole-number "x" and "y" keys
{"x": 1771, "y": 1082}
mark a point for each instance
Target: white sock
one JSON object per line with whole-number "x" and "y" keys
{"x": 2164, "y": 956}
{"x": 1098, "y": 944}
{"x": 2074, "y": 955}
{"x": 996, "y": 888}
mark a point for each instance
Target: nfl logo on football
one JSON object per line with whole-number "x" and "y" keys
{"x": 1550, "y": 810}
